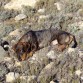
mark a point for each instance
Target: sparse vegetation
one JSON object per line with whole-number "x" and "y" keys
{"x": 61, "y": 14}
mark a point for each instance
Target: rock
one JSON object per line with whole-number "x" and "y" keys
{"x": 30, "y": 78}
{"x": 78, "y": 72}
{"x": 17, "y": 4}
{"x": 58, "y": 5}
{"x": 71, "y": 50}
{"x": 41, "y": 10}
{"x": 8, "y": 59}
{"x": 81, "y": 77}
{"x": 23, "y": 77}
{"x": 3, "y": 54}
{"x": 80, "y": 12}
{"x": 14, "y": 33}
{"x": 11, "y": 76}
{"x": 54, "y": 42}
{"x": 80, "y": 53}
{"x": 43, "y": 17}
{"x": 51, "y": 54}
{"x": 20, "y": 17}
{"x": 18, "y": 64}
{"x": 52, "y": 82}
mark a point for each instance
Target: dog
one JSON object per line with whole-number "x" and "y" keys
{"x": 32, "y": 41}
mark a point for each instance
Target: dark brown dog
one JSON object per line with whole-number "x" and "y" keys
{"x": 35, "y": 40}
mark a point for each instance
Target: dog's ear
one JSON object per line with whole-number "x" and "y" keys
{"x": 14, "y": 47}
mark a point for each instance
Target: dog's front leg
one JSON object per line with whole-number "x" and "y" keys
{"x": 33, "y": 49}
{"x": 30, "y": 54}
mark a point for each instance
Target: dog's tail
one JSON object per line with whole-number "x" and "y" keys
{"x": 75, "y": 42}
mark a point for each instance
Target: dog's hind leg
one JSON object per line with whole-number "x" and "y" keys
{"x": 61, "y": 47}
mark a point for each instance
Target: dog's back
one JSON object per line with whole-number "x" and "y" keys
{"x": 43, "y": 37}
{"x": 46, "y": 36}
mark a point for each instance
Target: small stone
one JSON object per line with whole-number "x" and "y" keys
{"x": 16, "y": 33}
{"x": 58, "y": 5}
{"x": 41, "y": 10}
{"x": 8, "y": 59}
{"x": 18, "y": 64}
{"x": 54, "y": 42}
{"x": 52, "y": 82}
{"x": 80, "y": 53}
{"x": 30, "y": 78}
{"x": 43, "y": 16}
{"x": 81, "y": 77}
{"x": 23, "y": 77}
{"x": 78, "y": 72}
{"x": 80, "y": 12}
{"x": 71, "y": 50}
{"x": 10, "y": 77}
{"x": 20, "y": 17}
{"x": 51, "y": 54}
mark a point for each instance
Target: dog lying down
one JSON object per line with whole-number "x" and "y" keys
{"x": 32, "y": 41}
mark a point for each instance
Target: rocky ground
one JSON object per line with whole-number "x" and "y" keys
{"x": 46, "y": 65}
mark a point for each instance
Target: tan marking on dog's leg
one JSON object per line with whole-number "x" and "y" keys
{"x": 30, "y": 54}
{"x": 71, "y": 39}
{"x": 23, "y": 57}
{"x": 67, "y": 46}
{"x": 61, "y": 47}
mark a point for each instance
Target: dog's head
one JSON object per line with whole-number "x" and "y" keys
{"x": 21, "y": 49}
